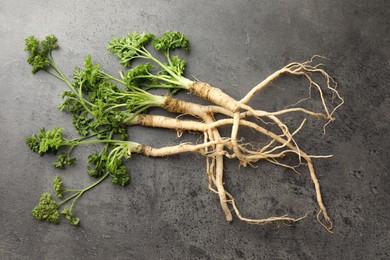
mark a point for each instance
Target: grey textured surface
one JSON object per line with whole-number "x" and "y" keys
{"x": 167, "y": 211}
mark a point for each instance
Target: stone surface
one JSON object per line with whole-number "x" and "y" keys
{"x": 167, "y": 212}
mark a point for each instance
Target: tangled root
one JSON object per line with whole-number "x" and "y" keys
{"x": 271, "y": 152}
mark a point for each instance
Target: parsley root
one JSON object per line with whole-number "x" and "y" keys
{"x": 104, "y": 106}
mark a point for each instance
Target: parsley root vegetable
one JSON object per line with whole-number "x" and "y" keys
{"x": 104, "y": 106}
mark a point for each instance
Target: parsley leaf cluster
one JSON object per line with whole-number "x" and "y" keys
{"x": 101, "y": 106}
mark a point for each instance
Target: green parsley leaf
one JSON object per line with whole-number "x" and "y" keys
{"x": 57, "y": 186}
{"x": 129, "y": 47}
{"x": 139, "y": 75}
{"x": 51, "y": 140}
{"x": 63, "y": 160}
{"x": 46, "y": 209}
{"x": 171, "y": 40}
{"x": 68, "y": 212}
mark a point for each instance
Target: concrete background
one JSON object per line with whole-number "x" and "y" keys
{"x": 167, "y": 211}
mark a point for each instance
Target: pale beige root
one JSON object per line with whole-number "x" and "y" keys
{"x": 261, "y": 113}
{"x": 262, "y": 220}
{"x": 215, "y": 95}
{"x": 218, "y": 181}
{"x": 261, "y": 85}
{"x": 178, "y": 106}
{"x": 234, "y": 133}
{"x": 170, "y": 123}
{"x": 183, "y": 107}
{"x": 218, "y": 172}
{"x": 215, "y": 174}
{"x": 234, "y": 107}
{"x": 285, "y": 143}
{"x": 303, "y": 69}
{"x": 328, "y": 225}
{"x": 210, "y": 164}
{"x": 177, "y": 149}
{"x": 295, "y": 68}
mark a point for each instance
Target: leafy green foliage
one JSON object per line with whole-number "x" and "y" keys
{"x": 92, "y": 72}
{"x": 115, "y": 166}
{"x": 171, "y": 40}
{"x": 51, "y": 140}
{"x": 46, "y": 209}
{"x": 39, "y": 63}
{"x": 177, "y": 66}
{"x": 70, "y": 102}
{"x": 99, "y": 109}
{"x": 99, "y": 91}
{"x": 33, "y": 142}
{"x": 82, "y": 123}
{"x": 32, "y": 45}
{"x": 87, "y": 79}
{"x": 49, "y": 44}
{"x": 111, "y": 163}
{"x": 57, "y": 186}
{"x": 106, "y": 91}
{"x": 40, "y": 52}
{"x": 129, "y": 47}
{"x": 100, "y": 161}
{"x": 118, "y": 172}
{"x": 68, "y": 212}
{"x": 139, "y": 75}
{"x": 63, "y": 160}
{"x": 46, "y": 141}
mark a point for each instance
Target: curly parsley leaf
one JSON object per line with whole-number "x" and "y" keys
{"x": 119, "y": 173}
{"x": 139, "y": 75}
{"x": 171, "y": 40}
{"x": 51, "y": 140}
{"x": 69, "y": 214}
{"x": 57, "y": 186}
{"x": 92, "y": 72}
{"x": 129, "y": 47}
{"x": 46, "y": 141}
{"x": 46, "y": 209}
{"x": 63, "y": 160}
{"x": 99, "y": 161}
{"x": 40, "y": 52}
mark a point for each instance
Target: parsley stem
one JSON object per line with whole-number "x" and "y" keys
{"x": 113, "y": 78}
{"x": 105, "y": 141}
{"x": 54, "y": 75}
{"x": 78, "y": 193}
{"x": 116, "y": 106}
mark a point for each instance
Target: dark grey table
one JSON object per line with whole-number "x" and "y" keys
{"x": 167, "y": 212}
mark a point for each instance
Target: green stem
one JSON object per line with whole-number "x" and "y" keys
{"x": 104, "y": 141}
{"x": 113, "y": 78}
{"x": 72, "y": 191}
{"x": 54, "y": 75}
{"x": 82, "y": 99}
{"x": 68, "y": 198}
{"x": 162, "y": 65}
{"x": 162, "y": 86}
{"x": 86, "y": 137}
{"x": 113, "y": 107}
{"x": 80, "y": 192}
{"x": 54, "y": 66}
